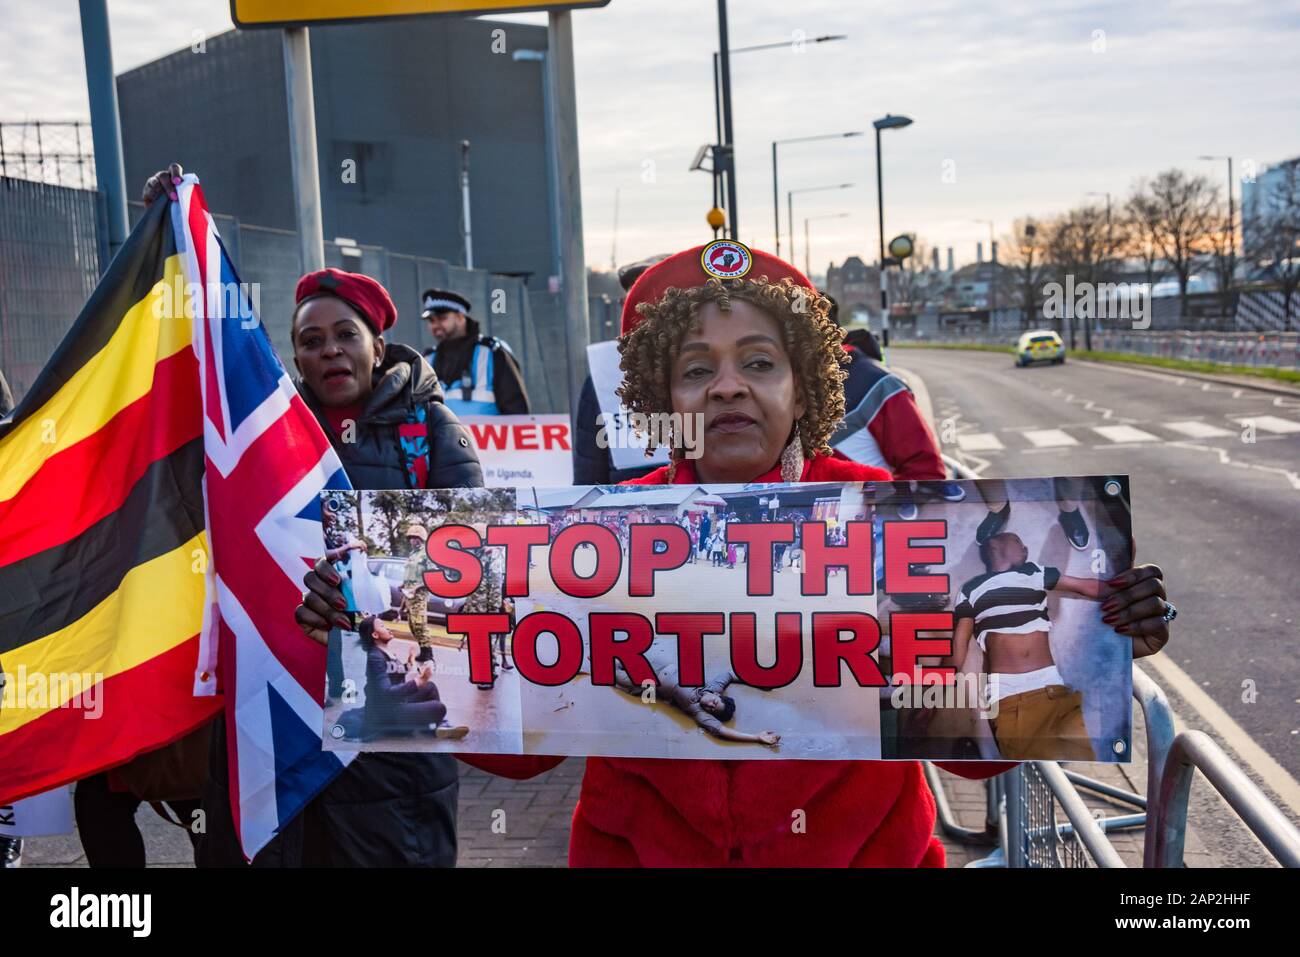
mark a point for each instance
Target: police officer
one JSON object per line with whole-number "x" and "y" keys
{"x": 415, "y": 594}
{"x": 479, "y": 374}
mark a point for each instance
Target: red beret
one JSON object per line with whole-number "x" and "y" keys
{"x": 362, "y": 293}
{"x": 720, "y": 259}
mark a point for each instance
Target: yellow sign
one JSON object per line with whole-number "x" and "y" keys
{"x": 292, "y": 13}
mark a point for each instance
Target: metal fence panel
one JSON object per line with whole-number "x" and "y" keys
{"x": 549, "y": 359}
{"x": 50, "y": 259}
{"x": 270, "y": 259}
{"x": 51, "y": 255}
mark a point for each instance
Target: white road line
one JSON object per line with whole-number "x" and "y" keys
{"x": 979, "y": 442}
{"x": 1274, "y": 776}
{"x": 1226, "y": 459}
{"x": 1124, "y": 433}
{"x": 1178, "y": 380}
{"x": 1118, "y": 367}
{"x": 1197, "y": 430}
{"x": 1271, "y": 423}
{"x": 1055, "y": 438}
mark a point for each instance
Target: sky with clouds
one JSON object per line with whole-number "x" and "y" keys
{"x": 1026, "y": 105}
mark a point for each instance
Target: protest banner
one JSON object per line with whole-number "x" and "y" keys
{"x": 522, "y": 449}
{"x": 39, "y": 815}
{"x": 627, "y": 449}
{"x": 888, "y": 620}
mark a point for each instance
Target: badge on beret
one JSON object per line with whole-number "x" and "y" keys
{"x": 726, "y": 259}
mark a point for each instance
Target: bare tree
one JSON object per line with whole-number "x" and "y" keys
{"x": 1177, "y": 211}
{"x": 1026, "y": 257}
{"x": 1080, "y": 244}
{"x": 1136, "y": 242}
{"x": 913, "y": 280}
{"x": 1275, "y": 236}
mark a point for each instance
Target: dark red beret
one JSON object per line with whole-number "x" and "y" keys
{"x": 362, "y": 293}
{"x": 720, "y": 259}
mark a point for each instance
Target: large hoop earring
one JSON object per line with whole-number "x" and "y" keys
{"x": 792, "y": 459}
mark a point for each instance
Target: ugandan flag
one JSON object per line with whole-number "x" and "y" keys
{"x": 103, "y": 553}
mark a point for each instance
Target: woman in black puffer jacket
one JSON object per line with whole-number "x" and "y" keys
{"x": 382, "y": 409}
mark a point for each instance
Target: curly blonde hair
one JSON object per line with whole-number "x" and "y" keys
{"x": 812, "y": 340}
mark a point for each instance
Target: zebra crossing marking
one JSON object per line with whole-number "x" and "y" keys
{"x": 979, "y": 442}
{"x": 1198, "y": 430}
{"x": 1049, "y": 438}
{"x": 1271, "y": 423}
{"x": 1123, "y": 433}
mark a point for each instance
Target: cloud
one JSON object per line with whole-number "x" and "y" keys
{"x": 1014, "y": 94}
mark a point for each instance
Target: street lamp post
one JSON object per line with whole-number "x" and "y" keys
{"x": 722, "y": 105}
{"x": 1232, "y": 211}
{"x": 1232, "y": 223}
{"x": 776, "y": 194}
{"x": 789, "y": 200}
{"x": 886, "y": 122}
{"x": 807, "y": 242}
{"x": 724, "y": 75}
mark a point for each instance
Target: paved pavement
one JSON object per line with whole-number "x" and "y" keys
{"x": 507, "y": 823}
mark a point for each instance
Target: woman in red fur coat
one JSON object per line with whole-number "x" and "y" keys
{"x": 744, "y": 340}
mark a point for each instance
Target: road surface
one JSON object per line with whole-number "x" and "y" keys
{"x": 1216, "y": 502}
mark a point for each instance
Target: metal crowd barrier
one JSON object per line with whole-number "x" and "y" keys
{"x": 1021, "y": 821}
{"x": 1258, "y": 349}
{"x": 1277, "y": 350}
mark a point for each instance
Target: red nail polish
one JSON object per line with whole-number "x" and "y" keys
{"x": 1110, "y": 619}
{"x": 342, "y": 621}
{"x": 1109, "y": 606}
{"x": 1122, "y": 629}
{"x": 341, "y": 604}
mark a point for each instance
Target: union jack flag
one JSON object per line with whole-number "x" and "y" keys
{"x": 266, "y": 462}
